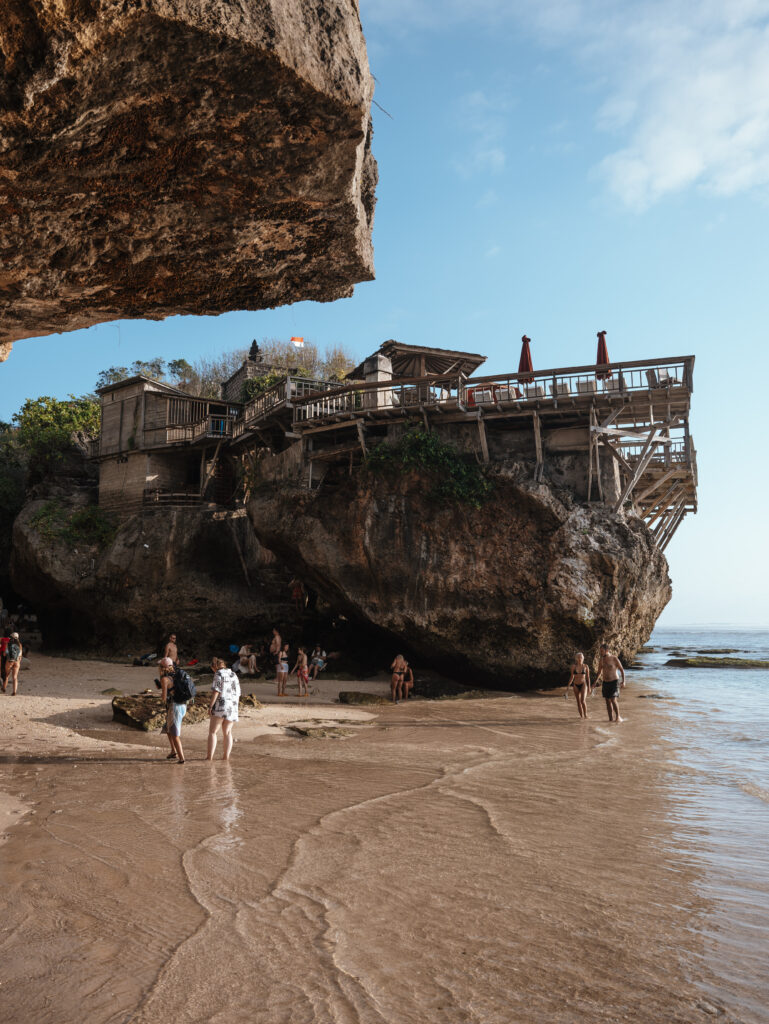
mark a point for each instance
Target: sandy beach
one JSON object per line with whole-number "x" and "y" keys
{"x": 451, "y": 861}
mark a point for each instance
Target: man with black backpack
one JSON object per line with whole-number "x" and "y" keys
{"x": 177, "y": 689}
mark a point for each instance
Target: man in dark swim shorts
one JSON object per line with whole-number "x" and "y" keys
{"x": 610, "y": 668}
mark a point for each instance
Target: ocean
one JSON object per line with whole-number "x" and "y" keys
{"x": 720, "y": 774}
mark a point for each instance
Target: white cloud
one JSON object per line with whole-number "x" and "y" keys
{"x": 685, "y": 84}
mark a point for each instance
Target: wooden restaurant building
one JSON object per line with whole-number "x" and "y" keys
{"x": 617, "y": 433}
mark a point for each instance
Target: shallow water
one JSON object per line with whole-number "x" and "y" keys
{"x": 473, "y": 861}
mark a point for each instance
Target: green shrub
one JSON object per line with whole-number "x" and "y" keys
{"x": 87, "y": 524}
{"x": 257, "y": 385}
{"x": 456, "y": 477}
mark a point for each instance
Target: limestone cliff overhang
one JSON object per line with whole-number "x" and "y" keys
{"x": 168, "y": 157}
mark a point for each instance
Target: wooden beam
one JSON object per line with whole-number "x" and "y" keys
{"x": 664, "y": 504}
{"x": 677, "y": 520}
{"x": 590, "y": 455}
{"x": 362, "y": 438}
{"x": 611, "y": 417}
{"x": 212, "y": 469}
{"x": 646, "y": 453}
{"x": 616, "y": 455}
{"x": 484, "y": 443}
{"x": 540, "y": 467}
{"x": 332, "y": 426}
{"x": 657, "y": 484}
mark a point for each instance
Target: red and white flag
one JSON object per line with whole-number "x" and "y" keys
{"x": 298, "y": 342}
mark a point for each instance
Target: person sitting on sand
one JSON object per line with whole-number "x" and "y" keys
{"x": 223, "y": 709}
{"x": 402, "y": 679}
{"x": 580, "y": 680}
{"x": 282, "y": 670}
{"x": 609, "y": 666}
{"x": 13, "y": 656}
{"x": 301, "y": 672}
{"x": 174, "y": 712}
{"x": 317, "y": 661}
{"x": 171, "y": 650}
{"x": 247, "y": 659}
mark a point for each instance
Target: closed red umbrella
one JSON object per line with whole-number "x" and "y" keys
{"x": 525, "y": 364}
{"x": 602, "y": 358}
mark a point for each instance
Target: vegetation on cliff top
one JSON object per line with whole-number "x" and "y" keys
{"x": 204, "y": 376}
{"x": 86, "y": 524}
{"x": 456, "y": 477}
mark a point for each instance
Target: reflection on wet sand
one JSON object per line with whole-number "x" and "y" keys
{"x": 482, "y": 861}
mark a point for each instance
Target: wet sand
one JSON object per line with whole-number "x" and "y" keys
{"x": 454, "y": 861}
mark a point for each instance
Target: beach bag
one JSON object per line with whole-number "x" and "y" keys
{"x": 184, "y": 688}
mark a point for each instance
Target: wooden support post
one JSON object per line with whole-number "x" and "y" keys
{"x": 590, "y": 445}
{"x": 426, "y": 421}
{"x": 598, "y": 462}
{"x": 212, "y": 468}
{"x": 664, "y": 504}
{"x": 362, "y": 439}
{"x": 657, "y": 484}
{"x": 673, "y": 527}
{"x": 540, "y": 467}
{"x": 484, "y": 443}
{"x": 202, "y": 469}
{"x": 644, "y": 459}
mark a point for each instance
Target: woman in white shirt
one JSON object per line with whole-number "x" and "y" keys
{"x": 223, "y": 709}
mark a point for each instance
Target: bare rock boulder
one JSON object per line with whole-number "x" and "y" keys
{"x": 164, "y": 157}
{"x": 506, "y": 593}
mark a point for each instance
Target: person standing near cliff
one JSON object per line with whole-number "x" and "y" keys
{"x": 171, "y": 650}
{"x": 609, "y": 669}
{"x": 13, "y": 656}
{"x": 275, "y": 646}
{"x": 175, "y": 712}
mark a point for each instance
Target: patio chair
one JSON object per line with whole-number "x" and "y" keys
{"x": 651, "y": 376}
{"x": 535, "y": 391}
{"x": 666, "y": 380}
{"x": 587, "y": 387}
{"x": 613, "y": 384}
{"x": 559, "y": 390}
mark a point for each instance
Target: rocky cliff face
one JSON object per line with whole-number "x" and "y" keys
{"x": 507, "y": 593}
{"x": 166, "y": 157}
{"x": 207, "y": 579}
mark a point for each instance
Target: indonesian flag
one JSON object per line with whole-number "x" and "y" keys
{"x": 298, "y": 342}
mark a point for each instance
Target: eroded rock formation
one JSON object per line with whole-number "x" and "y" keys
{"x": 506, "y": 593}
{"x": 161, "y": 157}
{"x": 207, "y": 579}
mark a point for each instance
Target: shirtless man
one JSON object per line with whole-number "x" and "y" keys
{"x": 609, "y": 667}
{"x": 171, "y": 651}
{"x": 276, "y": 645}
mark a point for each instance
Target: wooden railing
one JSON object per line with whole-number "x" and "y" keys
{"x": 512, "y": 390}
{"x": 280, "y": 395}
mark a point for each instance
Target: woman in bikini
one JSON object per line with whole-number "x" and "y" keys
{"x": 399, "y": 688}
{"x": 282, "y": 670}
{"x": 580, "y": 680}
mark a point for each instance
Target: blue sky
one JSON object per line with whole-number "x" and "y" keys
{"x": 554, "y": 168}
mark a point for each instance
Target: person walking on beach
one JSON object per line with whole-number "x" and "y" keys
{"x": 402, "y": 679}
{"x": 13, "y": 654}
{"x": 171, "y": 650}
{"x": 223, "y": 709}
{"x": 608, "y": 670}
{"x": 302, "y": 674}
{"x": 580, "y": 680}
{"x": 4, "y": 641}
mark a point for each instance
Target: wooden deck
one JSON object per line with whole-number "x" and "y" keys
{"x": 635, "y": 413}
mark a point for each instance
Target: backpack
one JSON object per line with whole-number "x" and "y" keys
{"x": 184, "y": 688}
{"x": 14, "y": 650}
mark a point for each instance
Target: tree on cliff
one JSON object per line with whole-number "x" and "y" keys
{"x": 204, "y": 376}
{"x": 45, "y": 428}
